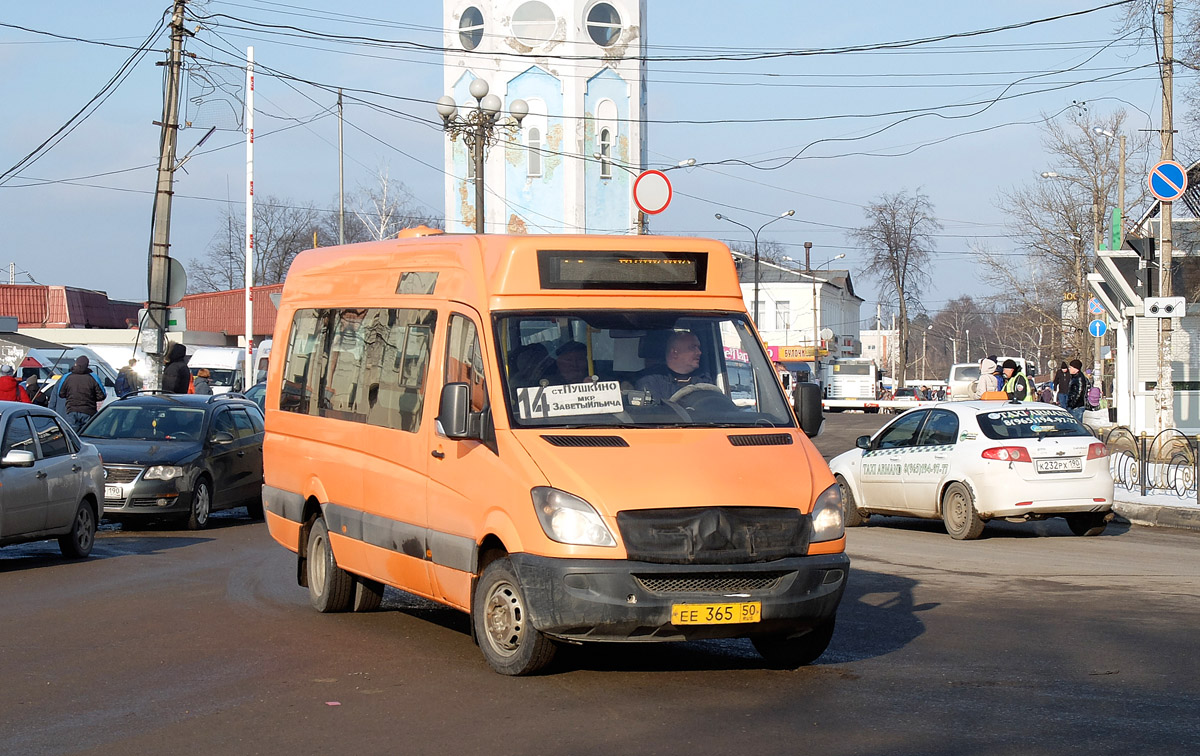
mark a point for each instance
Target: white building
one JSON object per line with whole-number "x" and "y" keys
{"x": 580, "y": 65}
{"x": 786, "y": 300}
{"x": 883, "y": 346}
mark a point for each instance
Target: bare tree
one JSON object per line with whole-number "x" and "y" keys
{"x": 281, "y": 230}
{"x": 899, "y": 239}
{"x": 381, "y": 210}
{"x": 1058, "y": 220}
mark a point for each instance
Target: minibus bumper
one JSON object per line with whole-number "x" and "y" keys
{"x": 621, "y": 600}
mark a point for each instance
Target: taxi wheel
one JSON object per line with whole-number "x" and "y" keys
{"x": 330, "y": 588}
{"x": 958, "y": 512}
{"x": 509, "y": 641}
{"x": 854, "y": 518}
{"x": 790, "y": 653}
{"x": 1087, "y": 523}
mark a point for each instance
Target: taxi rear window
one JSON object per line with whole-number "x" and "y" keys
{"x": 1040, "y": 422}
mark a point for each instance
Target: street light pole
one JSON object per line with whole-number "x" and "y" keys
{"x": 478, "y": 130}
{"x": 755, "y": 234}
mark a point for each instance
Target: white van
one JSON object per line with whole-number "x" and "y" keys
{"x": 57, "y": 362}
{"x": 225, "y": 366}
{"x": 262, "y": 357}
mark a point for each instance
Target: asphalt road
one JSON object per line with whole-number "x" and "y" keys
{"x": 1028, "y": 641}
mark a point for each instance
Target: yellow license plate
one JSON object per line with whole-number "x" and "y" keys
{"x": 716, "y": 614}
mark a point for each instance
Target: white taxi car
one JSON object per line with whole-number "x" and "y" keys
{"x": 970, "y": 462}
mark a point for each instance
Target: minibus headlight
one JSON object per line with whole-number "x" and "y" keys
{"x": 828, "y": 516}
{"x": 570, "y": 519}
{"x": 163, "y": 472}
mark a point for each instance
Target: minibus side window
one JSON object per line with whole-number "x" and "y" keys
{"x": 306, "y": 346}
{"x": 343, "y": 396}
{"x": 397, "y": 345}
{"x": 464, "y": 360}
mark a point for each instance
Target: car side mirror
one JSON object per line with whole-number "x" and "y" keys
{"x": 454, "y": 414}
{"x": 17, "y": 458}
{"x": 809, "y": 412}
{"x": 863, "y": 442}
{"x": 222, "y": 437}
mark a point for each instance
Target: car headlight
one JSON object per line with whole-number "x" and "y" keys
{"x": 163, "y": 472}
{"x": 570, "y": 519}
{"x": 828, "y": 515}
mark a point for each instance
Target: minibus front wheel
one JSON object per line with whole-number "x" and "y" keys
{"x": 330, "y": 588}
{"x": 789, "y": 653}
{"x": 510, "y": 643}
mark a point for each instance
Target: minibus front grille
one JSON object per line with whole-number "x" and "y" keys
{"x": 762, "y": 439}
{"x": 586, "y": 440}
{"x": 714, "y": 535}
{"x": 710, "y": 582}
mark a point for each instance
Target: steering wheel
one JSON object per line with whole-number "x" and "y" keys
{"x": 701, "y": 393}
{"x": 182, "y": 436}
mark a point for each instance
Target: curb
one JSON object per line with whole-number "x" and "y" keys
{"x": 1153, "y": 515}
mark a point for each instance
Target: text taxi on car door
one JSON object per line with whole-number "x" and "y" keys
{"x": 970, "y": 462}
{"x": 541, "y": 431}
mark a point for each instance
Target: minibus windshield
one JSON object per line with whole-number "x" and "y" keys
{"x": 605, "y": 368}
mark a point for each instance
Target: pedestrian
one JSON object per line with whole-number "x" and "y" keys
{"x": 80, "y": 393}
{"x": 128, "y": 381}
{"x": 11, "y": 389}
{"x": 38, "y": 394}
{"x": 176, "y": 376}
{"x": 1016, "y": 385}
{"x": 1062, "y": 382}
{"x": 200, "y": 382}
{"x": 1077, "y": 390}
{"x": 986, "y": 381}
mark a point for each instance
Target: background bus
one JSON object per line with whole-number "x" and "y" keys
{"x": 851, "y": 379}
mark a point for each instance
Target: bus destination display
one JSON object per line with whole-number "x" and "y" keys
{"x": 660, "y": 271}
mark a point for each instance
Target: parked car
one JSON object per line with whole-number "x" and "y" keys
{"x": 51, "y": 484}
{"x": 970, "y": 462}
{"x": 179, "y": 455}
{"x": 258, "y": 394}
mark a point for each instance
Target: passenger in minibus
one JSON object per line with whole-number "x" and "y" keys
{"x": 570, "y": 364}
{"x": 680, "y": 371}
{"x": 528, "y": 364}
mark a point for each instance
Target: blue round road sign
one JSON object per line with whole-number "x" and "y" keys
{"x": 1167, "y": 180}
{"x": 1097, "y": 328}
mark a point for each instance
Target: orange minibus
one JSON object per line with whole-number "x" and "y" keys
{"x": 570, "y": 438}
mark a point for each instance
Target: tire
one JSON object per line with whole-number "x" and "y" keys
{"x": 368, "y": 594}
{"x": 1087, "y": 523}
{"x": 854, "y": 518}
{"x": 78, "y": 543}
{"x": 507, "y": 638}
{"x": 330, "y": 588}
{"x": 958, "y": 513}
{"x": 254, "y": 509}
{"x": 791, "y": 653}
{"x": 201, "y": 505}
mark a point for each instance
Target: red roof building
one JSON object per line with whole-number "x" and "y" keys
{"x": 36, "y": 306}
{"x": 225, "y": 311}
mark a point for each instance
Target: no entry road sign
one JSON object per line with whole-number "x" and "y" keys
{"x": 1167, "y": 180}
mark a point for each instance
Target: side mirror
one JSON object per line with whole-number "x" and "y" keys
{"x": 808, "y": 408}
{"x": 222, "y": 437}
{"x": 863, "y": 442}
{"x": 454, "y": 411}
{"x": 17, "y": 458}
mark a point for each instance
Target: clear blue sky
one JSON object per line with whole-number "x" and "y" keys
{"x": 94, "y": 232}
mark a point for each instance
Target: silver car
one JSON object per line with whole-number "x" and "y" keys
{"x": 51, "y": 483}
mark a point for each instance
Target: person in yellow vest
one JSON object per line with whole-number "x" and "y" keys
{"x": 1016, "y": 385}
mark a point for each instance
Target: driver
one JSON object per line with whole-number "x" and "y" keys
{"x": 680, "y": 371}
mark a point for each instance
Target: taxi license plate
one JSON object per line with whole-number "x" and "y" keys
{"x": 734, "y": 613}
{"x": 113, "y": 492}
{"x": 1070, "y": 464}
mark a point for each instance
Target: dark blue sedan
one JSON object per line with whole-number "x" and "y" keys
{"x": 179, "y": 455}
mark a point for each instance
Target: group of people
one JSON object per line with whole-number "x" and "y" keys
{"x": 1072, "y": 389}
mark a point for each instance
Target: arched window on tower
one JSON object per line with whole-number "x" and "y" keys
{"x": 535, "y": 152}
{"x": 605, "y": 153}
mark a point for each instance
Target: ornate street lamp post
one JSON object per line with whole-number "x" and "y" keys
{"x": 478, "y": 130}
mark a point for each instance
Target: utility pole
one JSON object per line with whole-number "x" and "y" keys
{"x": 816, "y": 324}
{"x": 160, "y": 245}
{"x": 341, "y": 185}
{"x": 1164, "y": 394}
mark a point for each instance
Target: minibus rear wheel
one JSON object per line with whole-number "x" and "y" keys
{"x": 330, "y": 588}
{"x": 789, "y": 653}
{"x": 510, "y": 643}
